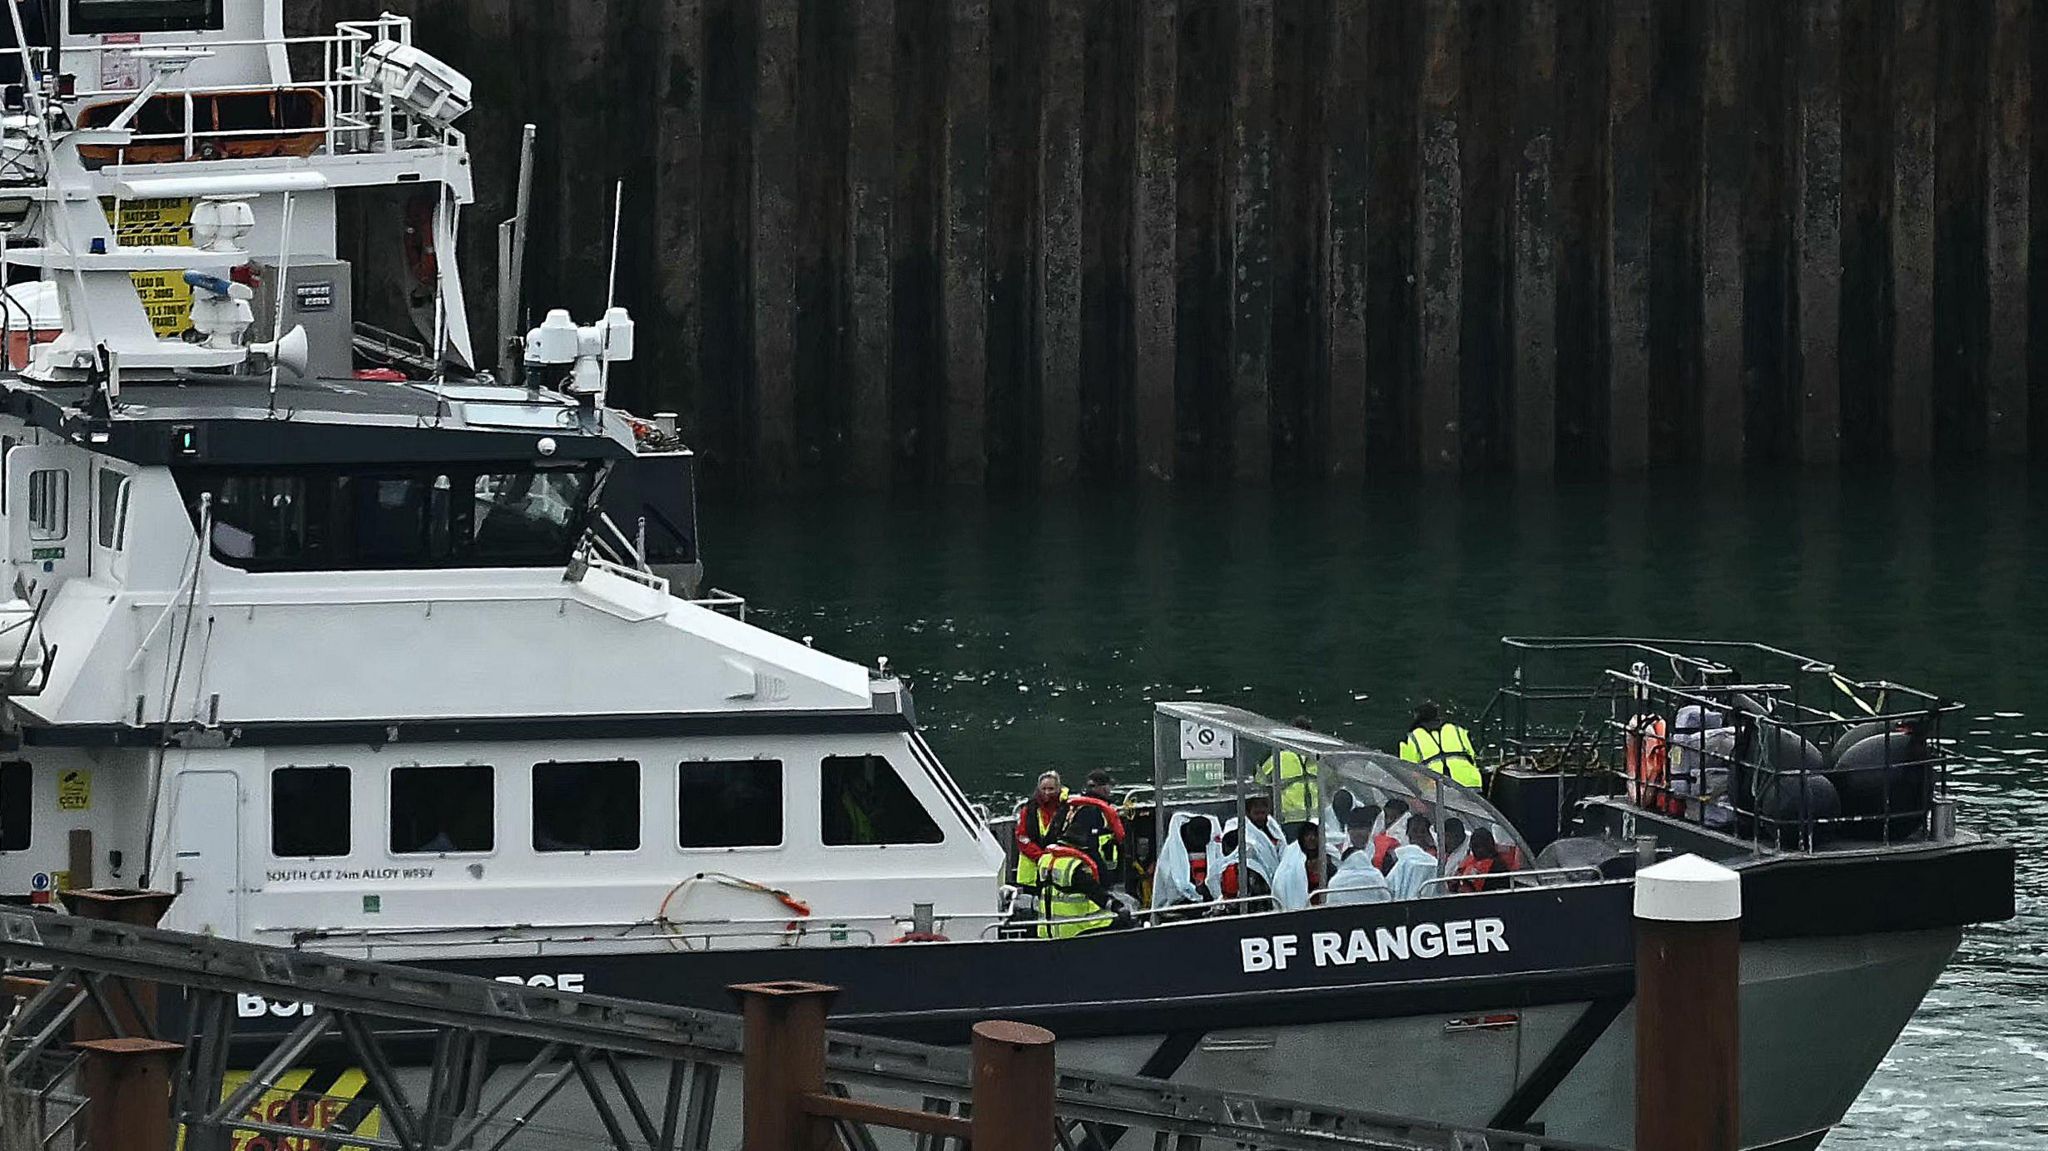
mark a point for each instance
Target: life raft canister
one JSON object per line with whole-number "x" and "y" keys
{"x": 1646, "y": 752}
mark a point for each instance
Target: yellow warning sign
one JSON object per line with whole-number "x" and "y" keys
{"x": 322, "y": 1103}
{"x": 165, "y": 295}
{"x": 74, "y": 791}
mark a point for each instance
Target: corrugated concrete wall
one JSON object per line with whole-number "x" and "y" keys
{"x": 1021, "y": 242}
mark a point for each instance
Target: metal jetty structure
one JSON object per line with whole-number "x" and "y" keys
{"x": 651, "y": 1075}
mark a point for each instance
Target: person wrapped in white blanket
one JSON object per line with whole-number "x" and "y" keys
{"x": 1356, "y": 879}
{"x": 1262, "y": 846}
{"x": 1415, "y": 861}
{"x": 1190, "y": 867}
{"x": 1303, "y": 868}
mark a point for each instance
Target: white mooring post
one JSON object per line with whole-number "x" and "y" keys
{"x": 1688, "y": 915}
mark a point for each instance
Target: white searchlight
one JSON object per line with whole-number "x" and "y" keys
{"x": 585, "y": 349}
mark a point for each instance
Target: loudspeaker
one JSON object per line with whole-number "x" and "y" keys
{"x": 288, "y": 351}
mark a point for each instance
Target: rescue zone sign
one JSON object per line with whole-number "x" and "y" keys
{"x": 1375, "y": 945}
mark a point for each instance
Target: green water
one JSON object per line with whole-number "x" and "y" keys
{"x": 1037, "y": 630}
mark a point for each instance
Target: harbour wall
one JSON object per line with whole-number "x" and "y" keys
{"x": 1028, "y": 242}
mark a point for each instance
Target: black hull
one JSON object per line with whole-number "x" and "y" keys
{"x": 1560, "y": 957}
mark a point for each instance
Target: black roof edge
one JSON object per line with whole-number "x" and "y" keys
{"x": 307, "y": 438}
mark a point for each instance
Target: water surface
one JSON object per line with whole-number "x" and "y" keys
{"x": 1036, "y": 631}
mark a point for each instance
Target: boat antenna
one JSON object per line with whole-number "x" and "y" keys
{"x": 444, "y": 211}
{"x": 32, "y": 95}
{"x": 611, "y": 293}
{"x": 512, "y": 267}
{"x": 284, "y": 268}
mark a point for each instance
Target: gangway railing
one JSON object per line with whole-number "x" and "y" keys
{"x": 564, "y": 1040}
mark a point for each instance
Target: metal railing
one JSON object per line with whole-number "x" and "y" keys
{"x": 1737, "y": 738}
{"x": 1533, "y": 877}
{"x": 355, "y": 114}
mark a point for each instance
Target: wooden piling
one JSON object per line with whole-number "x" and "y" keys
{"x": 1249, "y": 212}
{"x": 1688, "y": 921}
{"x": 1347, "y": 175}
{"x": 784, "y": 1031}
{"x": 1229, "y": 240}
{"x": 1627, "y": 234}
{"x": 132, "y": 908}
{"x": 963, "y": 235}
{"x": 1912, "y": 231}
{"x": 1058, "y": 278}
{"x": 871, "y": 173}
{"x": 1532, "y": 228}
{"x": 128, "y": 1083}
{"x": 1155, "y": 237}
{"x": 1013, "y": 1087}
{"x": 1439, "y": 247}
{"x": 2008, "y": 240}
{"x": 1817, "y": 227}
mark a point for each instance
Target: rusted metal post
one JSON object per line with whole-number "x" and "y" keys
{"x": 784, "y": 1034}
{"x": 128, "y": 1092}
{"x": 1013, "y": 1087}
{"x": 133, "y": 908}
{"x": 1688, "y": 915}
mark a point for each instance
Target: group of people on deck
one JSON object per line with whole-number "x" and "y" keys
{"x": 1070, "y": 849}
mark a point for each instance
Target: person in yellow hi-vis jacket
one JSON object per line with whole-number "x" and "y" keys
{"x": 1441, "y": 746}
{"x": 1297, "y": 779}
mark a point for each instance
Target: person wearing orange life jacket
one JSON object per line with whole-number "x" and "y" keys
{"x": 1486, "y": 865}
{"x": 1095, "y": 823}
{"x": 1039, "y": 824}
{"x": 1072, "y": 895}
{"x": 1391, "y": 834}
{"x": 1441, "y": 746}
{"x": 1646, "y": 756}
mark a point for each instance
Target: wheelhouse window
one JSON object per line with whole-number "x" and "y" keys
{"x": 113, "y": 508}
{"x": 309, "y": 811}
{"x": 729, "y": 803}
{"x": 91, "y": 17}
{"x": 586, "y": 806}
{"x": 328, "y": 519}
{"x": 17, "y": 808}
{"x": 865, "y": 803}
{"x": 49, "y": 503}
{"x": 443, "y": 810}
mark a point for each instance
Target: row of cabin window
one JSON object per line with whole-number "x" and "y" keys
{"x": 584, "y": 806}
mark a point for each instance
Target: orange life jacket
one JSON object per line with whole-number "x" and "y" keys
{"x": 1646, "y": 755}
{"x": 1383, "y": 846}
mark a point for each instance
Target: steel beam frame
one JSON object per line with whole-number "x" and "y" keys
{"x": 579, "y": 1036}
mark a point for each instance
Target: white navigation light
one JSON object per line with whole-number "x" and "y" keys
{"x": 417, "y": 80}
{"x": 618, "y": 335}
{"x": 220, "y": 222}
{"x": 554, "y": 342}
{"x": 220, "y": 309}
{"x": 586, "y": 348}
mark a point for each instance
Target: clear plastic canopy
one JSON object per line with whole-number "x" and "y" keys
{"x": 1207, "y": 755}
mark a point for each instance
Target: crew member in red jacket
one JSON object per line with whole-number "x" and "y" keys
{"x": 1039, "y": 824}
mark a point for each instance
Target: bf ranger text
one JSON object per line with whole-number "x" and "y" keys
{"x": 1376, "y": 945}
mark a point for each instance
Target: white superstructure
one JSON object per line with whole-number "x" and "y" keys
{"x": 353, "y": 660}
